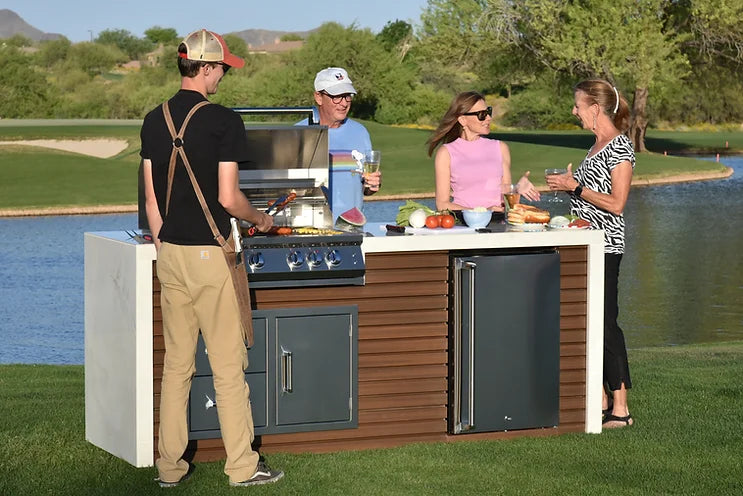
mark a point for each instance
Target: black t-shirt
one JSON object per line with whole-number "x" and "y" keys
{"x": 214, "y": 134}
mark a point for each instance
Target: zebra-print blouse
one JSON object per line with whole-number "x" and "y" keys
{"x": 594, "y": 173}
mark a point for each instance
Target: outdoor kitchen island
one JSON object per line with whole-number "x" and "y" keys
{"x": 403, "y": 365}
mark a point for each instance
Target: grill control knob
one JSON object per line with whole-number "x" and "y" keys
{"x": 333, "y": 257}
{"x": 255, "y": 260}
{"x": 295, "y": 259}
{"x": 314, "y": 259}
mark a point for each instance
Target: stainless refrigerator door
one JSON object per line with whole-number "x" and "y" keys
{"x": 506, "y": 342}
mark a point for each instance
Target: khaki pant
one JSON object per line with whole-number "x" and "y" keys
{"x": 197, "y": 293}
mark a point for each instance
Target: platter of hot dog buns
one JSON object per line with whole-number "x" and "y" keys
{"x": 521, "y": 214}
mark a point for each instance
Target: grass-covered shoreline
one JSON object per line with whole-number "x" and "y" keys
{"x": 686, "y": 440}
{"x": 41, "y": 180}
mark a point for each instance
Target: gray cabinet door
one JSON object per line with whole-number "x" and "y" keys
{"x": 315, "y": 367}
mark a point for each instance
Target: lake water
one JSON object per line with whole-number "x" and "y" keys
{"x": 681, "y": 279}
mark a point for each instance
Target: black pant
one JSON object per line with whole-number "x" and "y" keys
{"x": 616, "y": 368}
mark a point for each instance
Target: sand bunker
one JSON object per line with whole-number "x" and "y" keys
{"x": 101, "y": 148}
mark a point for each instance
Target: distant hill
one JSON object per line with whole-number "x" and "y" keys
{"x": 257, "y": 37}
{"x": 12, "y": 24}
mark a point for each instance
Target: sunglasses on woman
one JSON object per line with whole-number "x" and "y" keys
{"x": 481, "y": 114}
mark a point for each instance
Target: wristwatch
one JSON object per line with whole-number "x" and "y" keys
{"x": 578, "y": 190}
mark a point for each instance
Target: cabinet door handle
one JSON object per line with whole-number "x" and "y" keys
{"x": 286, "y": 371}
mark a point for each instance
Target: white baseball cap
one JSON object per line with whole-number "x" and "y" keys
{"x": 334, "y": 81}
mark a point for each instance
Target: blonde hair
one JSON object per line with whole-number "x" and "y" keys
{"x": 608, "y": 98}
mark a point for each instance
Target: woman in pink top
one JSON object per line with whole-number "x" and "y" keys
{"x": 471, "y": 169}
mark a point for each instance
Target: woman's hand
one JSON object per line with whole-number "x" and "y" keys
{"x": 526, "y": 188}
{"x": 562, "y": 182}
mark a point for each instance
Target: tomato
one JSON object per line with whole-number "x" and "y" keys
{"x": 447, "y": 221}
{"x": 432, "y": 221}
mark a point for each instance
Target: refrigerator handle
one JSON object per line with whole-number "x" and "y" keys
{"x": 463, "y": 358}
{"x": 471, "y": 358}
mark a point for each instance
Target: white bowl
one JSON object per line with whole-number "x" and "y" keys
{"x": 477, "y": 219}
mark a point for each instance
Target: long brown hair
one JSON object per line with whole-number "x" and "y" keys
{"x": 449, "y": 128}
{"x": 605, "y": 94}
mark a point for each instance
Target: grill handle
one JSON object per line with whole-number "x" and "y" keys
{"x": 313, "y": 115}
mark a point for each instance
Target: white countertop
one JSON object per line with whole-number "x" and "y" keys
{"x": 503, "y": 236}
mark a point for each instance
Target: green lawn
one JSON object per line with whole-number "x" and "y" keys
{"x": 30, "y": 177}
{"x": 686, "y": 440}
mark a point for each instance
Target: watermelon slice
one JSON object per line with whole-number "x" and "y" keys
{"x": 354, "y": 217}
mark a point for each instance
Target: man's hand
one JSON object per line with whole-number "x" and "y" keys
{"x": 372, "y": 182}
{"x": 264, "y": 223}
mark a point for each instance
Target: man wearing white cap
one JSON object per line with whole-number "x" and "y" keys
{"x": 196, "y": 284}
{"x": 334, "y": 93}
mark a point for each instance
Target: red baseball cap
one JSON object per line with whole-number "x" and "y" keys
{"x": 208, "y": 46}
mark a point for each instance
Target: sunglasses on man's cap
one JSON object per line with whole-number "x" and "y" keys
{"x": 481, "y": 114}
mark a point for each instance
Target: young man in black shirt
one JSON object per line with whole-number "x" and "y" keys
{"x": 197, "y": 291}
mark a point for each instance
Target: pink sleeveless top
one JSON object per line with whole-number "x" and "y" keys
{"x": 476, "y": 172}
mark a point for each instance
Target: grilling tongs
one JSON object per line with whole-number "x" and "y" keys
{"x": 277, "y": 206}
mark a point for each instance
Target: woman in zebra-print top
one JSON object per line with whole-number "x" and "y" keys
{"x": 599, "y": 188}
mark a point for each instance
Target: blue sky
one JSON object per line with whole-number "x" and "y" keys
{"x": 77, "y": 18}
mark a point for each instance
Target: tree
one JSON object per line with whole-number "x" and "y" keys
{"x": 642, "y": 45}
{"x": 396, "y": 37}
{"x": 25, "y": 91}
{"x": 94, "y": 58}
{"x": 132, "y": 46}
{"x": 237, "y": 45}
{"x": 291, "y": 37}
{"x": 450, "y": 43}
{"x": 53, "y": 52}
{"x": 157, "y": 35}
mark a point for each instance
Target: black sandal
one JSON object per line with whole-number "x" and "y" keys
{"x": 613, "y": 418}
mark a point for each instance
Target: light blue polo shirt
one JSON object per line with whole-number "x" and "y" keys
{"x": 346, "y": 186}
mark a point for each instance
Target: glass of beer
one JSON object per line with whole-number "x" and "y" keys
{"x": 511, "y": 194}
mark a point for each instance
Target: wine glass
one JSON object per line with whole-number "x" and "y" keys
{"x": 554, "y": 172}
{"x": 372, "y": 159}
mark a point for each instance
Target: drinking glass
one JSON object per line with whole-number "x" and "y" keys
{"x": 554, "y": 172}
{"x": 371, "y": 161}
{"x": 511, "y": 194}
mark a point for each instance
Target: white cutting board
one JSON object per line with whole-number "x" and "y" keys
{"x": 438, "y": 230}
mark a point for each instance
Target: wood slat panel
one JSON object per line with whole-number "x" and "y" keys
{"x": 572, "y": 389}
{"x": 397, "y": 360}
{"x": 572, "y": 336}
{"x": 573, "y": 376}
{"x": 418, "y": 317}
{"x": 574, "y": 350}
{"x": 573, "y": 269}
{"x": 573, "y": 253}
{"x": 573, "y": 295}
{"x": 374, "y": 388}
{"x": 572, "y": 416}
{"x": 411, "y": 372}
{"x": 402, "y": 331}
{"x": 572, "y": 309}
{"x": 573, "y": 282}
{"x": 568, "y": 363}
{"x": 402, "y": 400}
{"x": 331, "y": 294}
{"x": 402, "y": 415}
{"x": 364, "y": 431}
{"x": 356, "y": 444}
{"x": 386, "y": 261}
{"x": 407, "y": 275}
{"x": 573, "y": 403}
{"x": 402, "y": 345}
{"x": 573, "y": 322}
